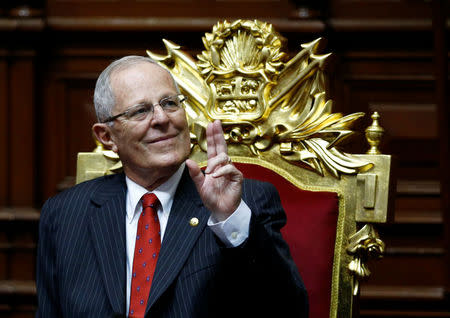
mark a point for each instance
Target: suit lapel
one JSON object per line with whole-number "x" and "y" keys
{"x": 179, "y": 237}
{"x": 107, "y": 227}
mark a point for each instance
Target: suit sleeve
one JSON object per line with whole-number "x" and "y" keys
{"x": 46, "y": 277}
{"x": 274, "y": 286}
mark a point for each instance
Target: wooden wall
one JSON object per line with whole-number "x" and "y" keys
{"x": 391, "y": 56}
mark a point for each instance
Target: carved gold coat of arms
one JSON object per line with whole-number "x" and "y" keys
{"x": 265, "y": 101}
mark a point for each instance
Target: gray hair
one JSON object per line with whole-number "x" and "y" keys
{"x": 104, "y": 98}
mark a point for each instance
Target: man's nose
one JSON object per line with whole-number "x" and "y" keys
{"x": 159, "y": 115}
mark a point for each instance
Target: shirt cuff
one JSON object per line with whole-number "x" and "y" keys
{"x": 234, "y": 230}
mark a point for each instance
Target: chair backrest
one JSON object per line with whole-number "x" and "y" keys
{"x": 280, "y": 128}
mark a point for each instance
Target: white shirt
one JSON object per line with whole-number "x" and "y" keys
{"x": 232, "y": 232}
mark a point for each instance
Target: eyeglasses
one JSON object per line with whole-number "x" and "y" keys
{"x": 143, "y": 111}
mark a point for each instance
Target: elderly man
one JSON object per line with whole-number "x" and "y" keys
{"x": 163, "y": 238}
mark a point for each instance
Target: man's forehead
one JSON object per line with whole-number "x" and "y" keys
{"x": 140, "y": 68}
{"x": 141, "y": 75}
{"x": 140, "y": 83}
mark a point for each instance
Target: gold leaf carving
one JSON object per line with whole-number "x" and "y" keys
{"x": 363, "y": 245}
{"x": 264, "y": 100}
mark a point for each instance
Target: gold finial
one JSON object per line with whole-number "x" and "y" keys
{"x": 374, "y": 134}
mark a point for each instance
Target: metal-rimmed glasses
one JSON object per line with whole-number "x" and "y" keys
{"x": 142, "y": 111}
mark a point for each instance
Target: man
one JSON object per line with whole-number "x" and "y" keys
{"x": 215, "y": 248}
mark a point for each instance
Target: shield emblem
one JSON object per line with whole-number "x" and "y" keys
{"x": 238, "y": 96}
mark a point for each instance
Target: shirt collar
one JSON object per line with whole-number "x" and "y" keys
{"x": 165, "y": 193}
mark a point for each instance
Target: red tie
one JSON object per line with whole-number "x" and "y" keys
{"x": 146, "y": 250}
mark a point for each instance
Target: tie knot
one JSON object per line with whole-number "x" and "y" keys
{"x": 149, "y": 200}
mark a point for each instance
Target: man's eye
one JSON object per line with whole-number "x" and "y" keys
{"x": 169, "y": 103}
{"x": 140, "y": 112}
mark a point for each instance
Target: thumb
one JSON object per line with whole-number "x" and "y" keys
{"x": 196, "y": 174}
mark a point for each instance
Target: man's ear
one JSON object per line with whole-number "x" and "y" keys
{"x": 103, "y": 134}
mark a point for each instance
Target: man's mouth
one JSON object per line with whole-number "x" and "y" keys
{"x": 161, "y": 139}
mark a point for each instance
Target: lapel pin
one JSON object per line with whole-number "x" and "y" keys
{"x": 193, "y": 222}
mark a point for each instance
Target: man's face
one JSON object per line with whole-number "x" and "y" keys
{"x": 155, "y": 147}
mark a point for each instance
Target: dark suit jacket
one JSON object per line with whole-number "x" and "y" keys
{"x": 81, "y": 262}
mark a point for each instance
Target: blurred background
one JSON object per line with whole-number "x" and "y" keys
{"x": 390, "y": 56}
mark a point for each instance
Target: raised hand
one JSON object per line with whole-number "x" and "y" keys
{"x": 220, "y": 188}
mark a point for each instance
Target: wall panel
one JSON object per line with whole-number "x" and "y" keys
{"x": 172, "y": 8}
{"x": 408, "y": 281}
{"x": 21, "y": 129}
{"x": 4, "y": 162}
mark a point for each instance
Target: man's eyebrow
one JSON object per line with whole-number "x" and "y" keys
{"x": 143, "y": 103}
{"x": 147, "y": 103}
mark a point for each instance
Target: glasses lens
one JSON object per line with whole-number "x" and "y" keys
{"x": 140, "y": 113}
{"x": 170, "y": 103}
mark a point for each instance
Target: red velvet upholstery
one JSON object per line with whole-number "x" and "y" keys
{"x": 310, "y": 233}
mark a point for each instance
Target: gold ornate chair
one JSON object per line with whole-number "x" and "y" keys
{"x": 280, "y": 128}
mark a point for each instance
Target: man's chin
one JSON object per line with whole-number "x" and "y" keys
{"x": 169, "y": 163}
